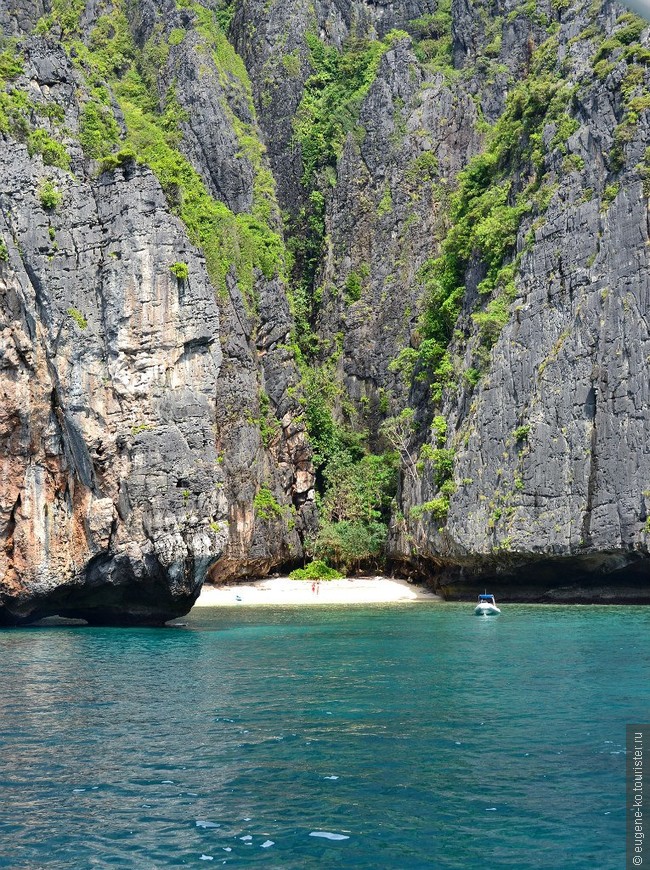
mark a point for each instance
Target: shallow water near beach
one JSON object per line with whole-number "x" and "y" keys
{"x": 424, "y": 735}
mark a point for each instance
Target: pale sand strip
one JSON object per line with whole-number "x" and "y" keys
{"x": 283, "y": 590}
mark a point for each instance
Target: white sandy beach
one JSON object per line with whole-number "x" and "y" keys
{"x": 283, "y": 590}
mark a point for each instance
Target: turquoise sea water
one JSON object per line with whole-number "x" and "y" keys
{"x": 428, "y": 737}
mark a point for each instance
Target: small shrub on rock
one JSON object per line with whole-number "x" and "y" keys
{"x": 52, "y": 152}
{"x": 180, "y": 270}
{"x": 521, "y": 433}
{"x": 266, "y": 505}
{"x": 124, "y": 157}
{"x": 78, "y": 318}
{"x": 49, "y": 195}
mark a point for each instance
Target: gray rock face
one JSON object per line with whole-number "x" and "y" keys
{"x": 20, "y": 16}
{"x": 109, "y": 367}
{"x": 257, "y": 366}
{"x": 384, "y": 220}
{"x": 209, "y": 140}
{"x": 383, "y": 217}
{"x": 130, "y": 426}
{"x": 270, "y": 35}
{"x": 551, "y": 447}
{"x": 150, "y": 426}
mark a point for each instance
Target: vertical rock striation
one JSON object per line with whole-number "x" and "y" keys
{"x": 433, "y": 214}
{"x": 551, "y": 440}
{"x": 110, "y": 486}
{"x": 133, "y": 447}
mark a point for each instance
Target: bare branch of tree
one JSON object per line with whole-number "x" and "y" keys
{"x": 398, "y": 431}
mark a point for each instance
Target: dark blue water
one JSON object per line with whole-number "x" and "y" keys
{"x": 426, "y": 736}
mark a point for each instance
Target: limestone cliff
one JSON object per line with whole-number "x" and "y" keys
{"x": 150, "y": 431}
{"x": 416, "y": 229}
{"x": 546, "y": 400}
{"x": 510, "y": 309}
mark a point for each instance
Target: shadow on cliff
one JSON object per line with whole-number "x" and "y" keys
{"x": 599, "y": 578}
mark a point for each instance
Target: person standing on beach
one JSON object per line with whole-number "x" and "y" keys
{"x": 313, "y": 586}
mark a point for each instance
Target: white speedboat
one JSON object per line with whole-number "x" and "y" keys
{"x": 486, "y": 606}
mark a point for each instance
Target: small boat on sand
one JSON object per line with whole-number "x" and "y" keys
{"x": 486, "y": 606}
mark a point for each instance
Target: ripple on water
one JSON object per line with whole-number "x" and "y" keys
{"x": 154, "y": 748}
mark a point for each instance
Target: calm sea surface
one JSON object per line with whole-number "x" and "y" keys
{"x": 425, "y": 736}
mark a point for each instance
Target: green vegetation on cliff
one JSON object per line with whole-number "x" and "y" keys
{"x": 332, "y": 97}
{"x": 355, "y": 487}
{"x": 485, "y": 214}
{"x": 487, "y": 208}
{"x": 243, "y": 243}
{"x": 22, "y": 118}
{"x": 433, "y": 39}
{"x": 328, "y": 113}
